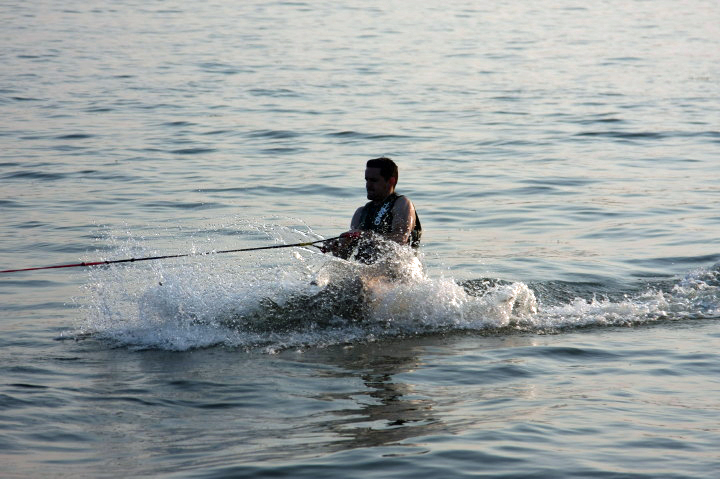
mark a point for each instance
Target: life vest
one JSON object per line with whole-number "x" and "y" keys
{"x": 379, "y": 217}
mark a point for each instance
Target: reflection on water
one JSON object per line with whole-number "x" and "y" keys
{"x": 389, "y": 410}
{"x": 259, "y": 407}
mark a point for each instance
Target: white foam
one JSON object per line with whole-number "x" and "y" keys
{"x": 205, "y": 301}
{"x": 696, "y": 296}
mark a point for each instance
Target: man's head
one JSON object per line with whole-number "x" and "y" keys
{"x": 388, "y": 168}
{"x": 381, "y": 175}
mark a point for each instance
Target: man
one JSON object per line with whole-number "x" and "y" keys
{"x": 386, "y": 217}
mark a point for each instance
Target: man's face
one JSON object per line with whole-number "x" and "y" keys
{"x": 378, "y": 188}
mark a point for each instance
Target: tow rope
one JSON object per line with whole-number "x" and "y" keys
{"x": 148, "y": 258}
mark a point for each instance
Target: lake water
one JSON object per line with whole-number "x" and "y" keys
{"x": 560, "y": 319}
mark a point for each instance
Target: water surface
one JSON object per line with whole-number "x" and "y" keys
{"x": 560, "y": 320}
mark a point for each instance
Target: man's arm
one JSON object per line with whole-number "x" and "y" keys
{"x": 355, "y": 222}
{"x": 403, "y": 221}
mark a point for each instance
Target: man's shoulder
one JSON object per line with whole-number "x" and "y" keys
{"x": 402, "y": 200}
{"x": 403, "y": 203}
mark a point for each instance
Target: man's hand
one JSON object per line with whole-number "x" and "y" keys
{"x": 352, "y": 235}
{"x": 343, "y": 246}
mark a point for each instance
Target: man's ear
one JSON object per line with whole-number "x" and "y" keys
{"x": 393, "y": 181}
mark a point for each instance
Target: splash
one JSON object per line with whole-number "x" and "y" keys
{"x": 696, "y": 296}
{"x": 302, "y": 298}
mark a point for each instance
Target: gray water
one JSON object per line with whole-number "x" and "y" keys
{"x": 560, "y": 319}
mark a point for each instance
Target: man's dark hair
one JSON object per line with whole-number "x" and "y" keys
{"x": 388, "y": 168}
